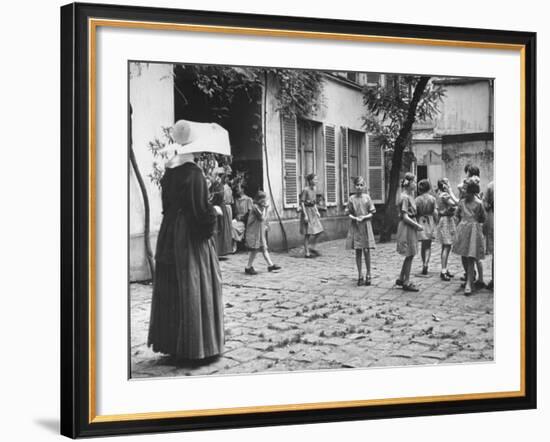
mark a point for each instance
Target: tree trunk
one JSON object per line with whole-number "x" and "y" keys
{"x": 390, "y": 213}
{"x": 147, "y": 210}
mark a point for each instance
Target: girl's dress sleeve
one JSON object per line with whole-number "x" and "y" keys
{"x": 481, "y": 213}
{"x": 349, "y": 208}
{"x": 404, "y": 207}
{"x": 257, "y": 212}
{"x": 459, "y": 211}
{"x": 370, "y": 205}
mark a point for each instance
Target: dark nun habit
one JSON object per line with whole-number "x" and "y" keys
{"x": 187, "y": 309}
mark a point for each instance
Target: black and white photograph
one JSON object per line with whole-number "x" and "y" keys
{"x": 290, "y": 219}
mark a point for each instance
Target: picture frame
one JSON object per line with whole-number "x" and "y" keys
{"x": 80, "y": 240}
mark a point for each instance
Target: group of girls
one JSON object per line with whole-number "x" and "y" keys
{"x": 240, "y": 219}
{"x": 463, "y": 225}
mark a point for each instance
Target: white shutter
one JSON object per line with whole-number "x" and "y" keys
{"x": 376, "y": 169}
{"x": 330, "y": 164}
{"x": 290, "y": 151}
{"x": 344, "y": 185}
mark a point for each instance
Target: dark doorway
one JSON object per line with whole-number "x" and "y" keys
{"x": 421, "y": 172}
{"x": 239, "y": 114}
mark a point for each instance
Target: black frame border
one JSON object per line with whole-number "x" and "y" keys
{"x": 75, "y": 219}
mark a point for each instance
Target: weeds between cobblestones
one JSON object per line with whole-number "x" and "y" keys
{"x": 312, "y": 316}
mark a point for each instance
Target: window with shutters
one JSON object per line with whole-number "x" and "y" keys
{"x": 376, "y": 170}
{"x": 290, "y": 161}
{"x": 344, "y": 160}
{"x": 354, "y": 160}
{"x": 303, "y": 153}
{"x": 330, "y": 164}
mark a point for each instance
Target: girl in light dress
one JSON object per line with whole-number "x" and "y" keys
{"x": 473, "y": 172}
{"x": 407, "y": 231}
{"x": 256, "y": 234}
{"x": 242, "y": 204}
{"x": 360, "y": 237}
{"x": 310, "y": 219}
{"x": 489, "y": 204}
{"x": 426, "y": 214}
{"x": 446, "y": 203}
{"x": 470, "y": 242}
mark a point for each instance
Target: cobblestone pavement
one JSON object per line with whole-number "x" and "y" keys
{"x": 311, "y": 315}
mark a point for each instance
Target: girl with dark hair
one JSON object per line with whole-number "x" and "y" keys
{"x": 407, "y": 231}
{"x": 472, "y": 172}
{"x": 470, "y": 243}
{"x": 446, "y": 203}
{"x": 224, "y": 239}
{"x": 360, "y": 209}
{"x": 256, "y": 233}
{"x": 310, "y": 219}
{"x": 426, "y": 213}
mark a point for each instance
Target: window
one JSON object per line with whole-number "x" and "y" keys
{"x": 352, "y": 76}
{"x": 373, "y": 79}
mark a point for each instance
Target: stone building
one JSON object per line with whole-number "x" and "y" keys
{"x": 461, "y": 134}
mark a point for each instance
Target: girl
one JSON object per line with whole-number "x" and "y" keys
{"x": 407, "y": 231}
{"x": 256, "y": 229}
{"x": 360, "y": 209}
{"x": 472, "y": 172}
{"x": 227, "y": 195}
{"x": 470, "y": 241}
{"x": 223, "y": 237}
{"x": 310, "y": 220}
{"x": 242, "y": 206}
{"x": 426, "y": 212}
{"x": 489, "y": 204}
{"x": 446, "y": 228}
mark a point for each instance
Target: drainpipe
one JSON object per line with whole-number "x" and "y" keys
{"x": 264, "y": 142}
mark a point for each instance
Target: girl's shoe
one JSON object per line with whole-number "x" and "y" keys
{"x": 479, "y": 285}
{"x": 368, "y": 280}
{"x": 250, "y": 271}
{"x": 410, "y": 287}
{"x": 399, "y": 282}
{"x": 273, "y": 268}
{"x": 314, "y": 252}
{"x": 467, "y": 292}
{"x": 444, "y": 276}
{"x": 424, "y": 270}
{"x": 360, "y": 281}
{"x": 450, "y": 275}
{"x": 309, "y": 256}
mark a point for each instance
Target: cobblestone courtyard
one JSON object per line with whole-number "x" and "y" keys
{"x": 311, "y": 315}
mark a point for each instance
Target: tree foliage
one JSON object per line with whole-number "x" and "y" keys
{"x": 388, "y": 106}
{"x": 219, "y": 90}
{"x": 391, "y": 111}
{"x": 299, "y": 92}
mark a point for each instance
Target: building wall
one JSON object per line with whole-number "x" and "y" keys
{"x": 466, "y": 108}
{"x": 462, "y": 132}
{"x": 152, "y": 100}
{"x": 457, "y": 154}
